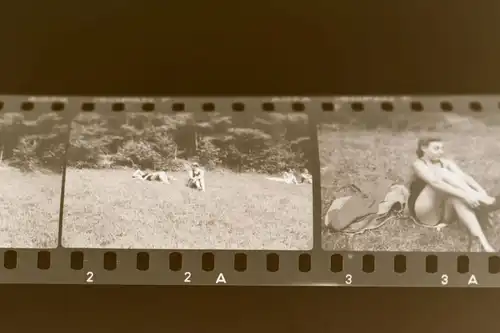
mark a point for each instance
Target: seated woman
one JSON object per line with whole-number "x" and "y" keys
{"x": 196, "y": 177}
{"x": 440, "y": 192}
{"x": 305, "y": 176}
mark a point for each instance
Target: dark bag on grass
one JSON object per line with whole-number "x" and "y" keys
{"x": 367, "y": 208}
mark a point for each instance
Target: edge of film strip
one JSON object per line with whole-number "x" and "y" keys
{"x": 254, "y": 267}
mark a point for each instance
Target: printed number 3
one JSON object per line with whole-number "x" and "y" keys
{"x": 90, "y": 277}
{"x": 444, "y": 279}
{"x": 187, "y": 277}
{"x": 348, "y": 279}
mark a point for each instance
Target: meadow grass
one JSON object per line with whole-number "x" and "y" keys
{"x": 107, "y": 208}
{"x": 29, "y": 209}
{"x": 362, "y": 157}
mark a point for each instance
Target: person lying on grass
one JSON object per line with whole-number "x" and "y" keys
{"x": 196, "y": 177}
{"x": 289, "y": 177}
{"x": 440, "y": 192}
{"x": 160, "y": 176}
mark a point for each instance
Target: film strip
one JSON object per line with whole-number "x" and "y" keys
{"x": 325, "y": 191}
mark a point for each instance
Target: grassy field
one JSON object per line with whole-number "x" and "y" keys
{"x": 362, "y": 157}
{"x": 109, "y": 209}
{"x": 29, "y": 209}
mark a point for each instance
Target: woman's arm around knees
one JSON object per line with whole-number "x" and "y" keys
{"x": 432, "y": 179}
{"x": 452, "y": 166}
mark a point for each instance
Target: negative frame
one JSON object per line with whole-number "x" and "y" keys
{"x": 410, "y": 181}
{"x": 199, "y": 178}
{"x": 351, "y": 261}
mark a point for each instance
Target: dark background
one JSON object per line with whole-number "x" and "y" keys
{"x": 249, "y": 47}
{"x": 279, "y": 48}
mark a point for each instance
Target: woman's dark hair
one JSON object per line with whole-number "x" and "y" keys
{"x": 425, "y": 143}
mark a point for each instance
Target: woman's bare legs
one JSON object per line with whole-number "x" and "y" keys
{"x": 163, "y": 177}
{"x": 457, "y": 181}
{"x": 138, "y": 174}
{"x": 468, "y": 217}
{"x": 432, "y": 207}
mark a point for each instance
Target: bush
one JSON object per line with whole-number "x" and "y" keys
{"x": 136, "y": 154}
{"x": 278, "y": 157}
{"x": 24, "y": 155}
{"x": 208, "y": 154}
{"x": 143, "y": 155}
{"x": 174, "y": 165}
{"x": 27, "y": 156}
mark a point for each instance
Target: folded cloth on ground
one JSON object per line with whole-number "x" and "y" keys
{"x": 367, "y": 208}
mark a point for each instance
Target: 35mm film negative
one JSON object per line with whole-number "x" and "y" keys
{"x": 325, "y": 191}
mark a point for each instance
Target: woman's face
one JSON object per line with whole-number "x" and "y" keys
{"x": 434, "y": 150}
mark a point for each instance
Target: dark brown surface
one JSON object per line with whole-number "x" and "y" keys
{"x": 207, "y": 48}
{"x": 147, "y": 309}
{"x": 273, "y": 47}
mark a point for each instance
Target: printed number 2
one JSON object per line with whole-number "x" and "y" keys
{"x": 187, "y": 277}
{"x": 444, "y": 279}
{"x": 90, "y": 277}
{"x": 348, "y": 279}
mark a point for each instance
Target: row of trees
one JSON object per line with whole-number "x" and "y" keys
{"x": 30, "y": 141}
{"x": 262, "y": 143}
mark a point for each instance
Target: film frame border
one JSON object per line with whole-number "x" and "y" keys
{"x": 34, "y": 263}
{"x": 423, "y": 268}
{"x": 54, "y": 266}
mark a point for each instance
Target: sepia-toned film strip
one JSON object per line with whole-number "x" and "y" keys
{"x": 290, "y": 190}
